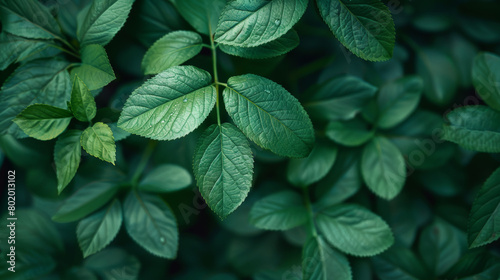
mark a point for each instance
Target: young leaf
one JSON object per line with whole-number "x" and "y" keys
{"x": 354, "y": 230}
{"x": 16, "y": 49}
{"x": 43, "y": 122}
{"x": 166, "y": 178}
{"x": 67, "y": 153}
{"x": 96, "y": 231}
{"x": 83, "y": 104}
{"x": 170, "y": 105}
{"x": 39, "y": 81}
{"x": 223, "y": 168}
{"x": 102, "y": 21}
{"x": 279, "y": 211}
{"x": 365, "y": 27}
{"x": 383, "y": 168}
{"x": 320, "y": 262}
{"x": 277, "y": 47}
{"x": 249, "y": 24}
{"x": 340, "y": 98}
{"x": 349, "y": 133}
{"x": 85, "y": 200}
{"x": 475, "y": 128}
{"x": 170, "y": 50}
{"x": 306, "y": 171}
{"x": 486, "y": 78}
{"x": 28, "y": 18}
{"x": 399, "y": 263}
{"x": 98, "y": 141}
{"x": 483, "y": 226}
{"x": 269, "y": 115}
{"x": 397, "y": 100}
{"x": 203, "y": 15}
{"x": 151, "y": 223}
{"x": 95, "y": 71}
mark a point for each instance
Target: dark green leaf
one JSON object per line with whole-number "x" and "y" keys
{"x": 98, "y": 141}
{"x": 113, "y": 264}
{"x": 67, "y": 153}
{"x": 83, "y": 105}
{"x": 486, "y": 78}
{"x": 320, "y": 262}
{"x": 203, "y": 15}
{"x": 349, "y": 133}
{"x": 43, "y": 122}
{"x": 279, "y": 211}
{"x": 16, "y": 49}
{"x": 95, "y": 70}
{"x": 399, "y": 263}
{"x": 166, "y": 178}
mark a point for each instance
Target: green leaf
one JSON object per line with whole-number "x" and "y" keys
{"x": 383, "y": 168}
{"x": 439, "y": 74}
{"x": 43, "y": 122}
{"x": 39, "y": 81}
{"x": 28, "y": 18}
{"x": 306, "y": 171}
{"x": 269, "y": 115}
{"x": 249, "y": 24}
{"x": 483, "y": 226}
{"x": 486, "y": 78}
{"x": 170, "y": 50}
{"x": 279, "y": 211}
{"x": 85, "y": 200}
{"x": 223, "y": 168}
{"x": 473, "y": 262}
{"x": 118, "y": 133}
{"x": 16, "y": 49}
{"x": 320, "y": 262}
{"x": 397, "y": 100}
{"x": 166, "y": 178}
{"x": 98, "y": 141}
{"x": 365, "y": 27}
{"x": 95, "y": 232}
{"x": 354, "y": 230}
{"x": 350, "y": 133}
{"x": 440, "y": 247}
{"x": 83, "y": 104}
{"x": 170, "y": 105}
{"x": 151, "y": 223}
{"x": 113, "y": 264}
{"x": 475, "y": 128}
{"x": 102, "y": 21}
{"x": 95, "y": 70}
{"x": 399, "y": 263}
{"x": 340, "y": 98}
{"x": 279, "y": 46}
{"x": 203, "y": 15}
{"x": 67, "y": 153}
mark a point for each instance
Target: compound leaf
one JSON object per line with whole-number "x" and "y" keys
{"x": 98, "y": 141}
{"x": 280, "y": 211}
{"x": 43, "y": 122}
{"x": 67, "y": 153}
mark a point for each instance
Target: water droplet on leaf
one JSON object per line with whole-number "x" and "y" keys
{"x": 162, "y": 121}
{"x": 162, "y": 240}
{"x": 277, "y": 21}
{"x": 267, "y": 91}
{"x": 185, "y": 100}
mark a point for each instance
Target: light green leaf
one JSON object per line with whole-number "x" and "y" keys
{"x": 349, "y": 133}
{"x": 483, "y": 226}
{"x": 151, "y": 223}
{"x": 475, "y": 128}
{"x": 399, "y": 263}
{"x": 166, "y": 178}
{"x": 309, "y": 170}
{"x": 279, "y": 211}
{"x": 365, "y": 27}
{"x": 170, "y": 105}
{"x": 486, "y": 78}
{"x": 170, "y": 50}
{"x": 439, "y": 74}
{"x": 277, "y": 47}
{"x": 223, "y": 168}
{"x": 354, "y": 230}
{"x": 320, "y": 262}
{"x": 203, "y": 15}
{"x": 397, "y": 99}
{"x": 16, "y": 49}
{"x": 102, "y": 21}
{"x": 383, "y": 168}
{"x": 95, "y": 70}
{"x": 85, "y": 200}
{"x": 83, "y": 104}
{"x": 98, "y": 141}
{"x": 269, "y": 115}
{"x": 67, "y": 153}
{"x": 340, "y": 98}
{"x": 43, "y": 122}
{"x": 28, "y": 18}
{"x": 39, "y": 81}
{"x": 440, "y": 247}
{"x": 95, "y": 232}
{"x": 249, "y": 24}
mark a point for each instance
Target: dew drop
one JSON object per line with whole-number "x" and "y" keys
{"x": 162, "y": 121}
{"x": 162, "y": 240}
{"x": 185, "y": 100}
{"x": 267, "y": 91}
{"x": 277, "y": 21}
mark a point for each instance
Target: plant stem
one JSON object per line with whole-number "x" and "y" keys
{"x": 307, "y": 201}
{"x": 144, "y": 161}
{"x": 65, "y": 50}
{"x": 216, "y": 76}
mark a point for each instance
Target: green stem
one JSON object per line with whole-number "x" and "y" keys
{"x": 216, "y": 76}
{"x": 307, "y": 201}
{"x": 144, "y": 161}
{"x": 65, "y": 50}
